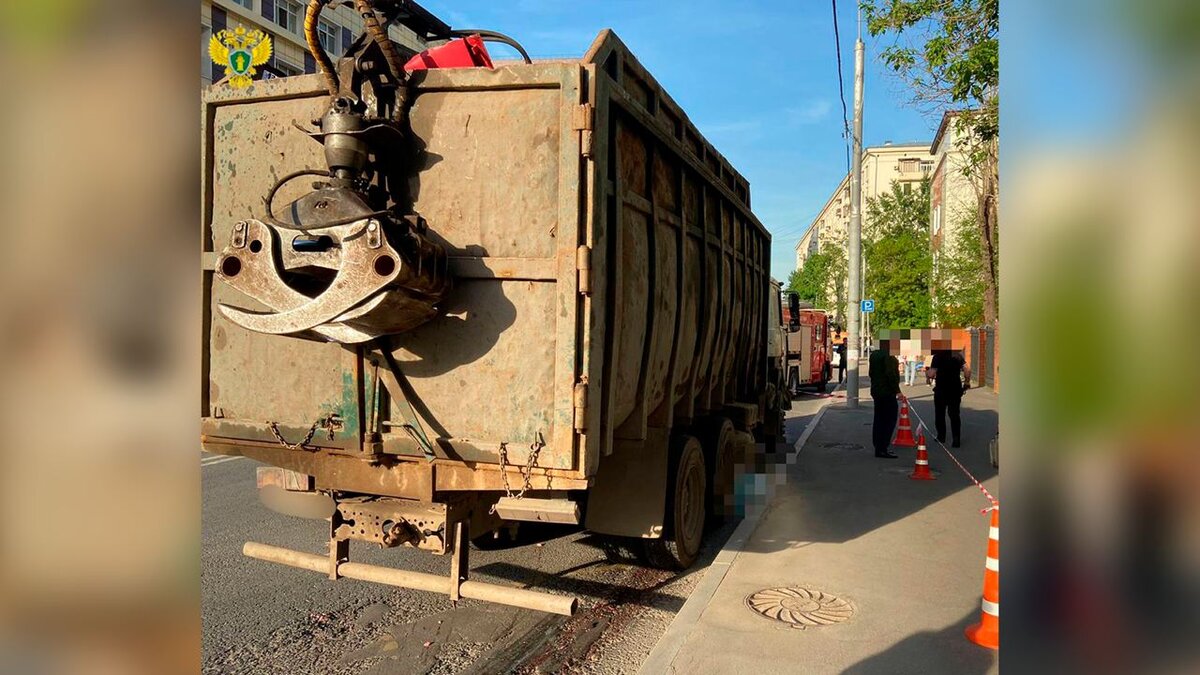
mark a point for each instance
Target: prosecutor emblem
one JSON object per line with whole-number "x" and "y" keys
{"x": 239, "y": 51}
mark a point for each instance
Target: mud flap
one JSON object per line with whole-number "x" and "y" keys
{"x": 629, "y": 496}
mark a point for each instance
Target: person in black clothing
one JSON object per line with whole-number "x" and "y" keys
{"x": 884, "y": 371}
{"x": 950, "y": 376}
{"x": 841, "y": 360}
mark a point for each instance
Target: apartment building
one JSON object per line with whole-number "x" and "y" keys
{"x": 952, "y": 196}
{"x": 283, "y": 20}
{"x": 909, "y": 164}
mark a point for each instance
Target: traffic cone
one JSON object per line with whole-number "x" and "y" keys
{"x": 904, "y": 436}
{"x": 986, "y": 633}
{"x": 921, "y": 468}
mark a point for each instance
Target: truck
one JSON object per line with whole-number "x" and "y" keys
{"x": 531, "y": 292}
{"x": 809, "y": 357}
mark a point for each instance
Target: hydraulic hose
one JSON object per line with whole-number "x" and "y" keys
{"x": 493, "y": 36}
{"x": 311, "y": 17}
{"x": 269, "y": 201}
{"x": 395, "y": 65}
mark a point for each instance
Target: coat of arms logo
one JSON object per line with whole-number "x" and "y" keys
{"x": 239, "y": 51}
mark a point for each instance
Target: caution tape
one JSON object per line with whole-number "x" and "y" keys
{"x": 984, "y": 490}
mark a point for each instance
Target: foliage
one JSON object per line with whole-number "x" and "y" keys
{"x": 811, "y": 282}
{"x": 948, "y": 52}
{"x": 898, "y": 261}
{"x": 839, "y": 272}
{"x": 958, "y": 280}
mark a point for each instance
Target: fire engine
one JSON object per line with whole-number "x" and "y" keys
{"x": 808, "y": 361}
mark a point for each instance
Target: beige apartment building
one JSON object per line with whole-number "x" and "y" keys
{"x": 952, "y": 196}
{"x": 283, "y": 20}
{"x": 909, "y": 164}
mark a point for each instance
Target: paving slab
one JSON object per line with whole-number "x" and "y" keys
{"x": 905, "y": 555}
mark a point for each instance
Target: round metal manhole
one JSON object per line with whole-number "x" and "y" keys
{"x": 800, "y": 607}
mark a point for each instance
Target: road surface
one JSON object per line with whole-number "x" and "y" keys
{"x": 260, "y": 617}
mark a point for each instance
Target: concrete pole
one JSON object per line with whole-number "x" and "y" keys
{"x": 854, "y": 255}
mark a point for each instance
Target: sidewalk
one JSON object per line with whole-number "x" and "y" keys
{"x": 907, "y": 556}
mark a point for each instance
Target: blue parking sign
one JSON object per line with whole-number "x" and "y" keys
{"x": 868, "y": 305}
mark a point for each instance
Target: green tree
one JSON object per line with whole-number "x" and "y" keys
{"x": 835, "y": 248}
{"x": 899, "y": 265}
{"x": 811, "y": 282}
{"x": 948, "y": 52}
{"x": 958, "y": 278}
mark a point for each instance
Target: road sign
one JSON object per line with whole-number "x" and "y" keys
{"x": 868, "y": 305}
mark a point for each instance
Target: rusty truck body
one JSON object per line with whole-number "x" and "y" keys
{"x": 562, "y": 313}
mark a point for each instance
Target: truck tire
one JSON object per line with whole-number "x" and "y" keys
{"x": 717, "y": 441}
{"x": 686, "y": 498}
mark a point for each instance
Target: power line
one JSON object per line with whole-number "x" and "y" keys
{"x": 837, "y": 39}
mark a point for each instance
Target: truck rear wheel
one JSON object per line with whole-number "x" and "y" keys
{"x": 686, "y": 497}
{"x": 719, "y": 462}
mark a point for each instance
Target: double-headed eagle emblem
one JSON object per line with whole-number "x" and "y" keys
{"x": 239, "y": 51}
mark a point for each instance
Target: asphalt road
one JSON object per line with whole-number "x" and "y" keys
{"x": 260, "y": 617}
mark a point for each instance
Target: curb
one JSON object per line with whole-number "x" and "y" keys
{"x": 667, "y": 648}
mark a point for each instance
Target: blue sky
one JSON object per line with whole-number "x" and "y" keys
{"x": 758, "y": 78}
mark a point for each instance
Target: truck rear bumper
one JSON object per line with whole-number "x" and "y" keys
{"x": 455, "y": 584}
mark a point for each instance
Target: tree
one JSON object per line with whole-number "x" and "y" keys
{"x": 950, "y": 58}
{"x": 811, "y": 282}
{"x": 958, "y": 278}
{"x": 899, "y": 265}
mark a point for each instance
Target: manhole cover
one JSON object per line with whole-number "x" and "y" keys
{"x": 800, "y": 607}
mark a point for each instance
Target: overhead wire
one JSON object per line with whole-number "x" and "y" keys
{"x": 837, "y": 39}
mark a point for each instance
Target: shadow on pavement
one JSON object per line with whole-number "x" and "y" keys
{"x": 840, "y": 491}
{"x": 915, "y": 654}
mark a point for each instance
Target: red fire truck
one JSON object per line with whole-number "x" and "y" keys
{"x": 809, "y": 347}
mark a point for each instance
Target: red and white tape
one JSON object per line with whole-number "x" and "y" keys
{"x": 995, "y": 503}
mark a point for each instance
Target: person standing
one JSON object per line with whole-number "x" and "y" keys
{"x": 951, "y": 376}
{"x": 885, "y": 387}
{"x": 910, "y": 369}
{"x": 841, "y": 359}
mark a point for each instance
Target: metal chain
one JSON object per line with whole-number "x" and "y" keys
{"x": 534, "y": 449}
{"x": 526, "y": 474}
{"x": 503, "y": 471}
{"x": 312, "y": 431}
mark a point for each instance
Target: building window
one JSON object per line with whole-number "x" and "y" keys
{"x": 205, "y": 63}
{"x": 248, "y": 4}
{"x": 288, "y": 69}
{"x": 328, "y": 33}
{"x": 927, "y": 166}
{"x": 937, "y": 219}
{"x": 287, "y": 14}
{"x": 909, "y": 165}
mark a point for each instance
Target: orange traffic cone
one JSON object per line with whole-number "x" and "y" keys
{"x": 921, "y": 468}
{"x": 986, "y": 633}
{"x": 904, "y": 436}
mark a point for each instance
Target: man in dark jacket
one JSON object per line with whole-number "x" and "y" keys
{"x": 885, "y": 386}
{"x": 950, "y": 376}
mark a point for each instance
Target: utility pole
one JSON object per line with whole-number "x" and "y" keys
{"x": 854, "y": 255}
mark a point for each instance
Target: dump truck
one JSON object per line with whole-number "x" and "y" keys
{"x": 442, "y": 302}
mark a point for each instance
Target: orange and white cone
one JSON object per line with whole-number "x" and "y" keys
{"x": 904, "y": 436}
{"x": 921, "y": 467}
{"x": 986, "y": 633}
